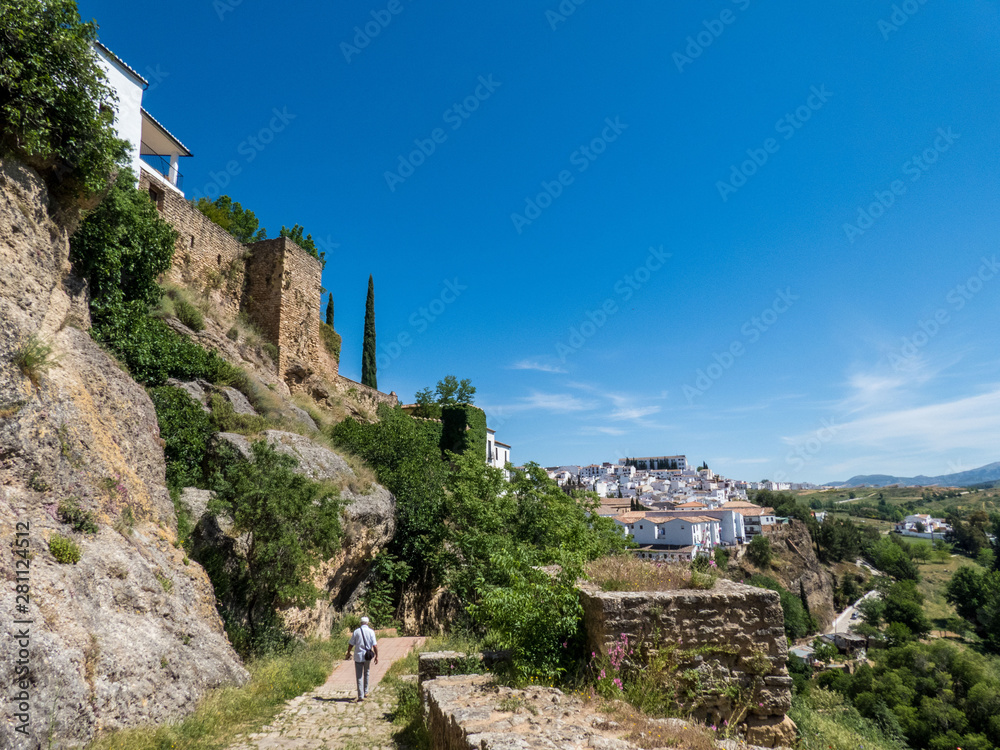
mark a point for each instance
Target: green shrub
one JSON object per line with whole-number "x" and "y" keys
{"x": 33, "y": 357}
{"x": 227, "y": 420}
{"x": 189, "y": 315}
{"x": 759, "y": 551}
{"x": 186, "y": 430}
{"x": 81, "y": 520}
{"x": 798, "y": 622}
{"x": 292, "y": 523}
{"x": 331, "y": 340}
{"x": 271, "y": 350}
{"x": 233, "y": 334}
{"x": 53, "y": 94}
{"x": 536, "y": 616}
{"x": 64, "y": 550}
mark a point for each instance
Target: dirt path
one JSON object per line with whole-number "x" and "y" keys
{"x": 329, "y": 718}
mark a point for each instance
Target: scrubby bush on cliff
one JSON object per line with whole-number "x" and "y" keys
{"x": 231, "y": 216}
{"x": 64, "y": 550}
{"x": 56, "y": 107}
{"x": 798, "y": 621}
{"x": 186, "y": 430}
{"x": 291, "y": 523}
{"x": 759, "y": 551}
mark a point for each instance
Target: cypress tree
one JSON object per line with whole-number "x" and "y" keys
{"x": 329, "y": 311}
{"x": 368, "y": 370}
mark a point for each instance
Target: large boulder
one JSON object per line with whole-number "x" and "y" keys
{"x": 129, "y": 634}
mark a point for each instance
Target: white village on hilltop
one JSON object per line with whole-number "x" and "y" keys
{"x": 672, "y": 510}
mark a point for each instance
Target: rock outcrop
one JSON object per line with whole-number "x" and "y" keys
{"x": 129, "y": 634}
{"x": 369, "y": 522}
{"x": 797, "y": 568}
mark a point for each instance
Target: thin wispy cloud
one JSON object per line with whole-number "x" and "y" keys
{"x": 530, "y": 364}
{"x": 634, "y": 412}
{"x": 559, "y": 403}
{"x": 614, "y": 431}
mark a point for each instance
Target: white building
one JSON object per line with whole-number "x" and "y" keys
{"x": 652, "y": 463}
{"x": 671, "y": 530}
{"x": 154, "y": 149}
{"x": 497, "y": 453}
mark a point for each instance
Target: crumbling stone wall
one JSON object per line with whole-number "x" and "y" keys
{"x": 734, "y": 635}
{"x": 206, "y": 256}
{"x": 365, "y": 394}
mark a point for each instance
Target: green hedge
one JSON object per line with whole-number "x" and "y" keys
{"x": 454, "y": 435}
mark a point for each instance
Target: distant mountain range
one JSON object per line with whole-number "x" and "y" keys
{"x": 988, "y": 473}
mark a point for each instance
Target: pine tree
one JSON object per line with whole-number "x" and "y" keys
{"x": 368, "y": 370}
{"x": 329, "y": 311}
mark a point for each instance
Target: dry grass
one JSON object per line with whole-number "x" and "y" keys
{"x": 628, "y": 573}
{"x": 646, "y": 732}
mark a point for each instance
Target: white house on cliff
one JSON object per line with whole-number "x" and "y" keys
{"x": 154, "y": 149}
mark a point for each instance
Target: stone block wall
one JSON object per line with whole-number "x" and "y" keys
{"x": 365, "y": 394}
{"x": 282, "y": 297}
{"x": 206, "y": 257}
{"x": 732, "y": 641}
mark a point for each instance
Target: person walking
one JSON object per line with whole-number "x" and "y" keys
{"x": 365, "y": 647}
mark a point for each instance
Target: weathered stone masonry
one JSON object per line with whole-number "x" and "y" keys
{"x": 273, "y": 283}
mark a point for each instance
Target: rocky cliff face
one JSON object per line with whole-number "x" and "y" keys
{"x": 130, "y": 633}
{"x": 799, "y": 570}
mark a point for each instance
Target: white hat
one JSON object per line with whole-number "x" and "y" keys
{"x": 364, "y": 620}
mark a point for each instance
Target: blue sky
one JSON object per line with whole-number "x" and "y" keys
{"x": 639, "y": 230}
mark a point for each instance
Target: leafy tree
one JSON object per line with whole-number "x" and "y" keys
{"x": 759, "y": 551}
{"x": 823, "y": 651}
{"x": 291, "y": 523}
{"x": 56, "y": 107}
{"x": 122, "y": 247}
{"x": 329, "y": 311}
{"x": 893, "y": 556}
{"x": 295, "y": 234}
{"x": 369, "y": 375}
{"x": 450, "y": 391}
{"x": 232, "y": 217}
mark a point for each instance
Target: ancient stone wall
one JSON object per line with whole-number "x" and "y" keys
{"x": 206, "y": 257}
{"x": 365, "y": 394}
{"x": 730, "y": 640}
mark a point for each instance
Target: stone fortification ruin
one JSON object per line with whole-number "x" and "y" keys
{"x": 274, "y": 284}
{"x": 730, "y": 652}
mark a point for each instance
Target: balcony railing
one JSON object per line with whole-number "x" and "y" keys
{"x": 162, "y": 165}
